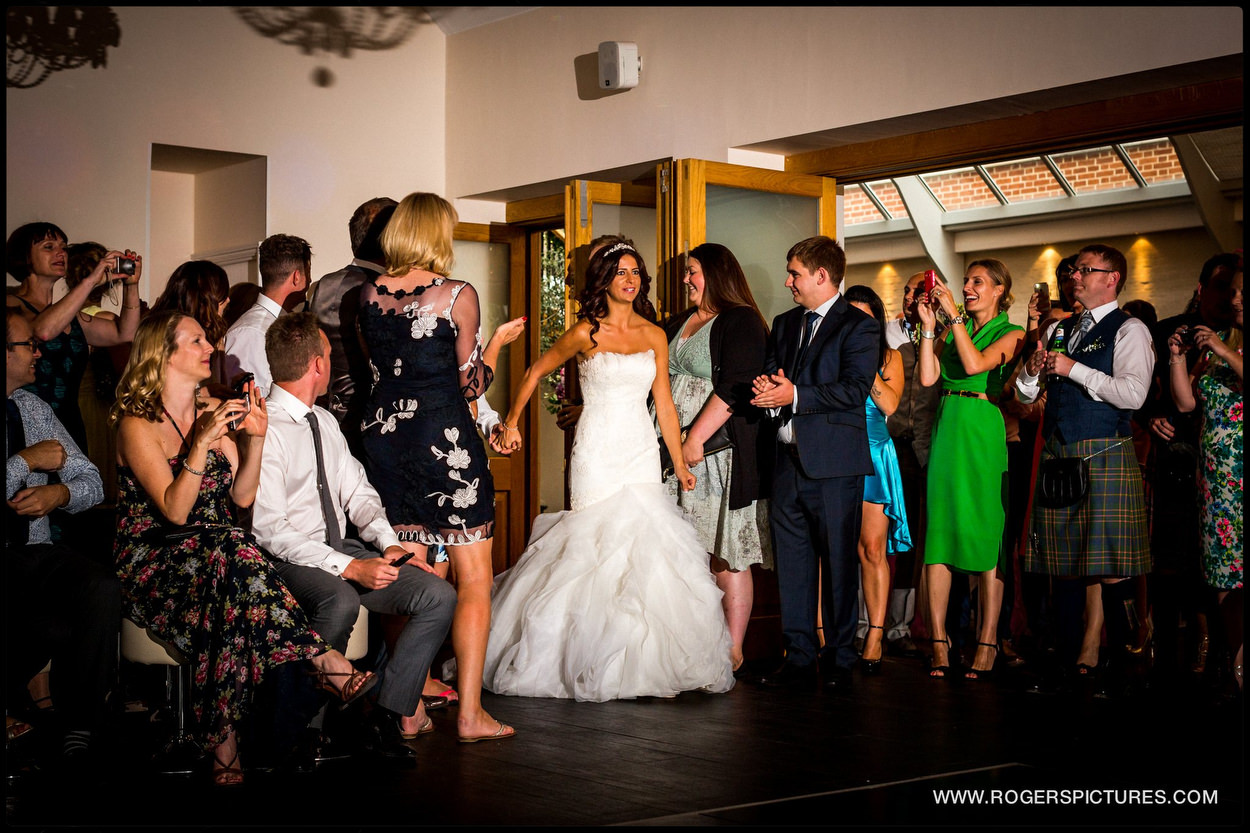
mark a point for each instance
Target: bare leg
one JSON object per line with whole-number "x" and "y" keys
{"x": 938, "y": 578}
{"x": 990, "y": 590}
{"x": 1092, "y": 642}
{"x": 875, "y": 569}
{"x": 739, "y": 589}
{"x": 1232, "y": 614}
{"x": 470, "y": 630}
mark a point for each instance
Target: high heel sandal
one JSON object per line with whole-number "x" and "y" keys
{"x": 1200, "y": 662}
{"x": 986, "y": 673}
{"x": 357, "y": 683}
{"x": 939, "y": 672}
{"x": 226, "y": 774}
{"x": 872, "y": 667}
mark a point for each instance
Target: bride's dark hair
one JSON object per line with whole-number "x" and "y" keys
{"x": 600, "y": 273}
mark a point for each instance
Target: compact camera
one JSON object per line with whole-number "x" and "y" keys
{"x": 125, "y": 266}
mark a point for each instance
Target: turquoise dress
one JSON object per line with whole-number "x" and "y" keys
{"x": 885, "y": 484}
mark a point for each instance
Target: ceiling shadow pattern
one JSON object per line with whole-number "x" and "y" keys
{"x": 41, "y": 40}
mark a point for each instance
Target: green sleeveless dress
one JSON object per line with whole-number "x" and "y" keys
{"x": 968, "y": 462}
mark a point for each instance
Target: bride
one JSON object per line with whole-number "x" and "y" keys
{"x": 613, "y": 599}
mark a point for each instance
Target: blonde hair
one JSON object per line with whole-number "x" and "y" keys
{"x": 143, "y": 381}
{"x": 419, "y": 235}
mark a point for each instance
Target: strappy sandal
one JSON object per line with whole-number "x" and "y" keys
{"x": 227, "y": 774}
{"x": 939, "y": 672}
{"x": 446, "y": 697}
{"x": 983, "y": 674}
{"x": 357, "y": 683}
{"x": 872, "y": 667}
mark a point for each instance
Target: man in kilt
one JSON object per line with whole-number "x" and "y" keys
{"x": 1094, "y": 383}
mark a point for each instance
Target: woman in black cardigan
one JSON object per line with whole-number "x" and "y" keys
{"x": 715, "y": 349}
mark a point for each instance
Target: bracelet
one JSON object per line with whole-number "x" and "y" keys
{"x": 505, "y": 427}
{"x": 1176, "y": 360}
{"x": 196, "y": 472}
{"x": 928, "y": 334}
{"x": 126, "y": 306}
{"x": 958, "y": 319}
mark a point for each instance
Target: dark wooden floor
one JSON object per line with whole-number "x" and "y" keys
{"x": 875, "y": 756}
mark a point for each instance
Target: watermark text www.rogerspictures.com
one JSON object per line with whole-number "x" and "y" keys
{"x": 1087, "y": 797}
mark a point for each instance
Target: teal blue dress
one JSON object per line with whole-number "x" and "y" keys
{"x": 885, "y": 484}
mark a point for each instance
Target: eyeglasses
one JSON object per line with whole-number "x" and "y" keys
{"x": 1084, "y": 270}
{"x": 33, "y": 344}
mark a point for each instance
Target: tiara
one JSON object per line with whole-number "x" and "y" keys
{"x": 618, "y": 247}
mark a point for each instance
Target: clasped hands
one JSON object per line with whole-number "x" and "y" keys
{"x": 505, "y": 440}
{"x": 772, "y": 390}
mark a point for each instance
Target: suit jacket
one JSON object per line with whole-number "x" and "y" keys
{"x": 335, "y": 300}
{"x": 830, "y": 425}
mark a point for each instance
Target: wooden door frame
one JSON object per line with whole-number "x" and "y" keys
{"x": 682, "y": 210}
{"x": 519, "y": 516}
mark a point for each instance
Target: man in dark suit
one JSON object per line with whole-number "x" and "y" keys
{"x": 334, "y": 300}
{"x": 820, "y": 364}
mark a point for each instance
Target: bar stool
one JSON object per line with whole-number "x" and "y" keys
{"x": 182, "y": 753}
{"x": 357, "y": 647}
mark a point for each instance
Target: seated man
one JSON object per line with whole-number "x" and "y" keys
{"x": 310, "y": 486}
{"x": 60, "y": 604}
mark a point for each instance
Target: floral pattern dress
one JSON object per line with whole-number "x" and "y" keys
{"x": 423, "y": 451}
{"x": 207, "y": 590}
{"x": 1219, "y": 475}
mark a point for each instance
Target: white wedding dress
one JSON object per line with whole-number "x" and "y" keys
{"x": 613, "y": 599}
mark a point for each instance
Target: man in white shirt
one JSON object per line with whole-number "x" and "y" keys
{"x": 1093, "y": 385}
{"x": 285, "y": 263}
{"x": 329, "y": 575}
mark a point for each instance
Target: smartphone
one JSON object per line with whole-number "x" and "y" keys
{"x": 402, "y": 560}
{"x": 240, "y": 392}
{"x": 1042, "y": 290}
{"x": 930, "y": 280}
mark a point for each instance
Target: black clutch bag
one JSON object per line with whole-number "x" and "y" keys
{"x": 716, "y": 443}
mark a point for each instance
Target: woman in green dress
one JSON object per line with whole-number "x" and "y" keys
{"x": 968, "y": 459}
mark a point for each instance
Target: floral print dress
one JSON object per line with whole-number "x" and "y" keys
{"x": 1219, "y": 475}
{"x": 423, "y": 451}
{"x": 207, "y": 590}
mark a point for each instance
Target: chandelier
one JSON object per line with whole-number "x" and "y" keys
{"x": 42, "y": 40}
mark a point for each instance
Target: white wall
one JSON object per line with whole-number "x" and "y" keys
{"x": 78, "y": 145}
{"x": 716, "y": 78}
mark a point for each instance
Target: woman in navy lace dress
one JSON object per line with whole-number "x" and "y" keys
{"x": 425, "y": 457}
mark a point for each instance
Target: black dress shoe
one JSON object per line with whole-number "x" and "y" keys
{"x": 382, "y": 737}
{"x": 839, "y": 679}
{"x": 791, "y": 676}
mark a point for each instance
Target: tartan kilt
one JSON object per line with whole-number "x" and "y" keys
{"x": 1106, "y": 533}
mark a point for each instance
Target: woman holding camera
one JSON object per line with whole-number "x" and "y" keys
{"x": 1217, "y": 382}
{"x": 969, "y": 453}
{"x": 37, "y": 257}
{"x": 188, "y": 573}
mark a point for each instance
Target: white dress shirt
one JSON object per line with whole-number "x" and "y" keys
{"x": 287, "y": 519}
{"x": 897, "y": 333}
{"x": 1131, "y": 370}
{"x": 785, "y": 433}
{"x": 245, "y": 343}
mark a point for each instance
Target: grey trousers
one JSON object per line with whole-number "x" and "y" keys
{"x": 332, "y": 605}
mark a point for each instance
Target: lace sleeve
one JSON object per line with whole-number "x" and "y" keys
{"x": 475, "y": 374}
